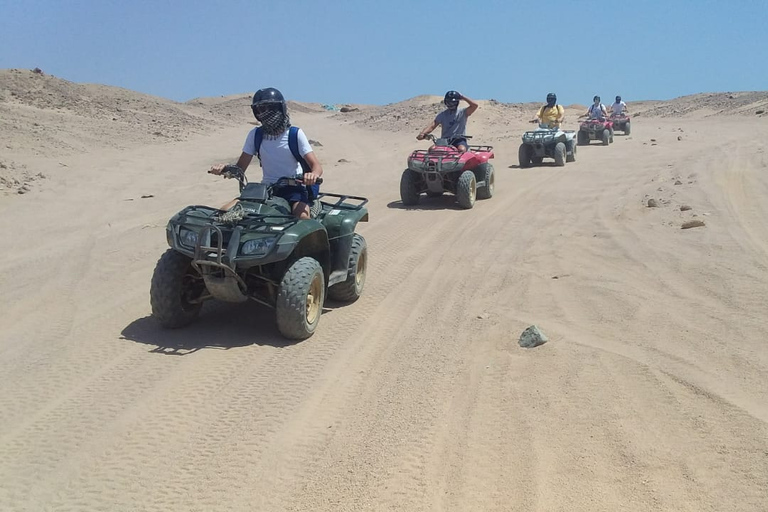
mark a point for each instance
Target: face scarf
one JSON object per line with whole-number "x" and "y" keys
{"x": 273, "y": 121}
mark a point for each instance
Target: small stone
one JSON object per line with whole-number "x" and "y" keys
{"x": 758, "y": 112}
{"x": 693, "y": 224}
{"x": 343, "y": 161}
{"x": 147, "y": 196}
{"x": 314, "y": 143}
{"x": 679, "y": 137}
{"x": 678, "y": 182}
{"x": 483, "y": 316}
{"x": 685, "y": 208}
{"x": 532, "y": 337}
{"x": 653, "y": 140}
{"x": 652, "y": 203}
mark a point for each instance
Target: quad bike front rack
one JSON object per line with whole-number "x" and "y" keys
{"x": 228, "y": 286}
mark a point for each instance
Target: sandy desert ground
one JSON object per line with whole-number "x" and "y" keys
{"x": 652, "y": 393}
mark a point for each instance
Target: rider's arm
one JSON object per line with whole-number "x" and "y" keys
{"x": 560, "y": 114}
{"x": 243, "y": 162}
{"x": 472, "y": 106}
{"x": 314, "y": 164}
{"x": 427, "y": 130}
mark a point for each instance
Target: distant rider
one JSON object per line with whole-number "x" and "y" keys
{"x": 452, "y": 120}
{"x": 619, "y": 108}
{"x": 277, "y": 161}
{"x": 596, "y": 110}
{"x": 550, "y": 115}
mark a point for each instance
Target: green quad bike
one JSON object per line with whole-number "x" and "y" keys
{"x": 258, "y": 250}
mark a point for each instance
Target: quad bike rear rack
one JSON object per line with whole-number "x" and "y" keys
{"x": 340, "y": 203}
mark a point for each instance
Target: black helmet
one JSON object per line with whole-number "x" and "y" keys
{"x": 618, "y": 99}
{"x": 596, "y": 98}
{"x": 268, "y": 99}
{"x": 451, "y": 99}
{"x": 551, "y": 98}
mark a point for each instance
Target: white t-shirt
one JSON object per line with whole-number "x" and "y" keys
{"x": 619, "y": 108}
{"x": 596, "y": 111}
{"x": 276, "y": 158}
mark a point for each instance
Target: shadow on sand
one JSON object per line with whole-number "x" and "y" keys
{"x": 444, "y": 202}
{"x": 220, "y": 326}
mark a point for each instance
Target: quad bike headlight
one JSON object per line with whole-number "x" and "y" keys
{"x": 258, "y": 247}
{"x": 188, "y": 237}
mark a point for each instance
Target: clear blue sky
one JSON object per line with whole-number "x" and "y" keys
{"x": 361, "y": 51}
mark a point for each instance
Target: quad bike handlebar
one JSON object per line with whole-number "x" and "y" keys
{"x": 233, "y": 171}
{"x": 431, "y": 137}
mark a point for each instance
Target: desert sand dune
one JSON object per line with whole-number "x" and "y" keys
{"x": 651, "y": 394}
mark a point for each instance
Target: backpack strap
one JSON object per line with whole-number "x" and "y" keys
{"x": 293, "y": 145}
{"x": 258, "y": 136}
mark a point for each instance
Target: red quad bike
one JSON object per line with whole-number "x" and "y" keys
{"x": 443, "y": 168}
{"x": 595, "y": 129}
{"x": 621, "y": 122}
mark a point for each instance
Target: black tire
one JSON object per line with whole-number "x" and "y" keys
{"x": 537, "y": 160}
{"x": 466, "y": 190}
{"x": 524, "y": 156}
{"x": 485, "y": 171}
{"x": 409, "y": 187}
{"x": 611, "y": 135}
{"x": 606, "y": 137}
{"x": 626, "y": 128}
{"x": 300, "y": 299}
{"x": 560, "y": 154}
{"x": 572, "y": 156}
{"x": 175, "y": 283}
{"x": 351, "y": 289}
{"x": 582, "y": 138}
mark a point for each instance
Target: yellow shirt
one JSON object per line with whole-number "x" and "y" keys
{"x": 549, "y": 115}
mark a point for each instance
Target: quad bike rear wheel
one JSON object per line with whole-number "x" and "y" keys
{"x": 409, "y": 187}
{"x": 560, "y": 154}
{"x": 606, "y": 137}
{"x": 466, "y": 190}
{"x": 300, "y": 299}
{"x": 572, "y": 156}
{"x": 524, "y": 156}
{"x": 485, "y": 173}
{"x": 351, "y": 289}
{"x": 175, "y": 290}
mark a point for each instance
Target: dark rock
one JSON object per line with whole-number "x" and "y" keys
{"x": 348, "y": 109}
{"x": 38, "y": 71}
{"x": 314, "y": 143}
{"x": 532, "y": 337}
{"x": 678, "y": 182}
{"x": 343, "y": 161}
{"x": 758, "y": 112}
{"x": 652, "y": 203}
{"x": 685, "y": 208}
{"x": 693, "y": 224}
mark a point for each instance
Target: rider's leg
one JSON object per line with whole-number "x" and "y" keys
{"x": 300, "y": 210}
{"x": 229, "y": 205}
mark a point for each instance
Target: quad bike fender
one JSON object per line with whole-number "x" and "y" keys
{"x": 477, "y": 159}
{"x": 341, "y": 228}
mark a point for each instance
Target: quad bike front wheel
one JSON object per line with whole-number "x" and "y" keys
{"x": 409, "y": 187}
{"x": 560, "y": 154}
{"x": 572, "y": 156}
{"x": 300, "y": 299}
{"x": 485, "y": 173}
{"x": 582, "y": 138}
{"x": 524, "y": 156}
{"x": 466, "y": 190}
{"x": 176, "y": 290}
{"x": 351, "y": 289}
{"x": 626, "y": 128}
{"x": 606, "y": 137}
